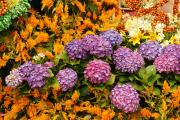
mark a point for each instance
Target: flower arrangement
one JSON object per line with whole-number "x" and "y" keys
{"x": 76, "y": 60}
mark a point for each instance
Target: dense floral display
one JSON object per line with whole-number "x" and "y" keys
{"x": 89, "y": 60}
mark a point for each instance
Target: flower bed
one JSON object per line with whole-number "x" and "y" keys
{"x": 102, "y": 66}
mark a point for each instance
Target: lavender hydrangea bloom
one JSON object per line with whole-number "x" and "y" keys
{"x": 112, "y": 36}
{"x": 127, "y": 60}
{"x": 97, "y": 71}
{"x": 172, "y": 50}
{"x": 95, "y": 45}
{"x": 75, "y": 50}
{"x": 150, "y": 50}
{"x": 14, "y": 79}
{"x": 125, "y": 97}
{"x": 34, "y": 74}
{"x": 167, "y": 63}
{"x": 67, "y": 78}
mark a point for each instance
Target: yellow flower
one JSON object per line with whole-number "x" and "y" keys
{"x": 136, "y": 39}
{"x": 166, "y": 87}
{"x": 164, "y": 106}
{"x": 65, "y": 116}
{"x": 145, "y": 113}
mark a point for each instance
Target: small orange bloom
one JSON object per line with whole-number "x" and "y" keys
{"x": 35, "y": 93}
{"x": 24, "y": 34}
{"x": 49, "y": 55}
{"x": 47, "y": 3}
{"x": 166, "y": 87}
{"x": 75, "y": 96}
{"x": 32, "y": 111}
{"x": 58, "y": 106}
{"x": 145, "y": 113}
{"x": 155, "y": 115}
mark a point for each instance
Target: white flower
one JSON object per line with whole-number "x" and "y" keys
{"x": 39, "y": 56}
{"x": 159, "y": 27}
{"x": 165, "y": 43}
{"x": 149, "y": 4}
{"x": 161, "y": 36}
{"x": 134, "y": 32}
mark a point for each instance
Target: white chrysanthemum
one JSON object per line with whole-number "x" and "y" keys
{"x": 165, "y": 43}
{"x": 159, "y": 27}
{"x": 149, "y": 4}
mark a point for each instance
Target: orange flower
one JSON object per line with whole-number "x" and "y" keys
{"x": 29, "y": 28}
{"x": 47, "y": 3}
{"x": 81, "y": 7}
{"x": 49, "y": 55}
{"x": 33, "y": 21}
{"x": 155, "y": 115}
{"x": 176, "y": 98}
{"x": 111, "y": 2}
{"x": 107, "y": 114}
{"x": 75, "y": 96}
{"x": 68, "y": 104}
{"x": 120, "y": 116}
{"x": 7, "y": 102}
{"x": 35, "y": 93}
{"x": 145, "y": 113}
{"x": 32, "y": 111}
{"x": 42, "y": 117}
{"x": 166, "y": 87}
{"x": 24, "y": 34}
{"x": 41, "y": 24}
{"x": 2, "y": 62}
{"x": 59, "y": 9}
{"x": 42, "y": 37}
{"x": 72, "y": 116}
{"x": 31, "y": 43}
{"x": 58, "y": 106}
{"x": 44, "y": 95}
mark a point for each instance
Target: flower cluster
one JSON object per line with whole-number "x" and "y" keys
{"x": 95, "y": 45}
{"x": 76, "y": 50}
{"x": 127, "y": 61}
{"x": 169, "y": 60}
{"x": 34, "y": 74}
{"x": 97, "y": 71}
{"x": 67, "y": 78}
{"x": 112, "y": 36}
{"x": 125, "y": 97}
{"x": 150, "y": 50}
{"x": 14, "y": 79}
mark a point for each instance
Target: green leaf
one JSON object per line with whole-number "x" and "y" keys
{"x": 131, "y": 77}
{"x": 157, "y": 91}
{"x": 83, "y": 90}
{"x": 63, "y": 56}
{"x": 111, "y": 80}
{"x": 171, "y": 82}
{"x": 142, "y": 72}
{"x": 123, "y": 79}
{"x": 150, "y": 70}
{"x": 76, "y": 62}
{"x": 153, "y": 79}
{"x": 177, "y": 77}
{"x": 137, "y": 87}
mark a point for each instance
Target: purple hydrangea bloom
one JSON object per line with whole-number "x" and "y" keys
{"x": 172, "y": 50}
{"x": 127, "y": 60}
{"x": 67, "y": 79}
{"x": 95, "y": 45}
{"x": 34, "y": 74}
{"x": 167, "y": 63}
{"x": 75, "y": 50}
{"x": 97, "y": 72}
{"x": 112, "y": 36}
{"x": 14, "y": 79}
{"x": 125, "y": 97}
{"x": 150, "y": 50}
